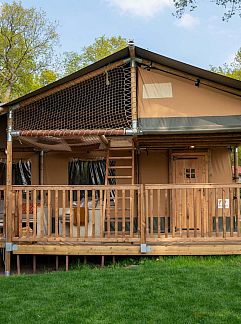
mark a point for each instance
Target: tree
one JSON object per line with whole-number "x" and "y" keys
{"x": 231, "y": 7}
{"x": 27, "y": 39}
{"x": 232, "y": 70}
{"x": 102, "y": 47}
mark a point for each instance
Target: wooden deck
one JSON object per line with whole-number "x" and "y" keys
{"x": 197, "y": 219}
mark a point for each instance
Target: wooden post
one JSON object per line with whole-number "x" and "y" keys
{"x": 102, "y": 261}
{"x": 133, "y": 86}
{"x": 56, "y": 262}
{"x": 143, "y": 216}
{"x": 66, "y": 263}
{"x": 237, "y": 191}
{"x": 34, "y": 264}
{"x": 8, "y": 200}
{"x": 18, "y": 264}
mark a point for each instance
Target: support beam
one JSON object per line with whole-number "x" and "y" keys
{"x": 66, "y": 263}
{"x": 18, "y": 265}
{"x": 133, "y": 87}
{"x": 34, "y": 264}
{"x": 236, "y": 173}
{"x": 70, "y": 133}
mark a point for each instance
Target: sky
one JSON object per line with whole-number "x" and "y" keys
{"x": 200, "y": 38}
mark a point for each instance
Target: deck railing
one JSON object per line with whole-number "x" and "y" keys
{"x": 127, "y": 213}
{"x": 76, "y": 213}
{"x": 192, "y": 211}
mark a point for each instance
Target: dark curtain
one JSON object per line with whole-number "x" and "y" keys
{"x": 21, "y": 173}
{"x": 2, "y": 173}
{"x": 88, "y": 173}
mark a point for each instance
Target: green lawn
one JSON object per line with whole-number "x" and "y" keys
{"x": 165, "y": 290}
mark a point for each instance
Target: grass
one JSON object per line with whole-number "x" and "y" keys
{"x": 161, "y": 290}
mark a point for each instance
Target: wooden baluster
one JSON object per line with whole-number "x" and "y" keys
{"x": 123, "y": 212}
{"x": 187, "y": 205}
{"x": 116, "y": 211}
{"x": 151, "y": 212}
{"x": 139, "y": 211}
{"x": 64, "y": 214}
{"x": 147, "y": 212}
{"x": 86, "y": 214}
{"x": 42, "y": 218}
{"x": 71, "y": 214}
{"x": 180, "y": 211}
{"x": 202, "y": 212}
{"x": 27, "y": 214}
{"x": 49, "y": 213}
{"x": 56, "y": 202}
{"x": 195, "y": 211}
{"x": 231, "y": 208}
{"x": 174, "y": 211}
{"x": 223, "y": 213}
{"x": 17, "y": 211}
{"x": 132, "y": 193}
{"x": 159, "y": 213}
{"x": 238, "y": 210}
{"x": 102, "y": 215}
{"x": 93, "y": 213}
{"x": 20, "y": 211}
{"x": 166, "y": 212}
{"x": 210, "y": 221}
{"x": 34, "y": 214}
{"x": 216, "y": 212}
{"x": 78, "y": 213}
{"x": 108, "y": 211}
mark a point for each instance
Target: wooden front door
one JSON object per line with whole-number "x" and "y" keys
{"x": 188, "y": 168}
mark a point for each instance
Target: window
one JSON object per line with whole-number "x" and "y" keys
{"x": 190, "y": 173}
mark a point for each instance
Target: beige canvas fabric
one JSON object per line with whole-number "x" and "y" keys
{"x": 187, "y": 100}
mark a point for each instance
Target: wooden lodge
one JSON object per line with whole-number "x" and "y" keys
{"x": 136, "y": 154}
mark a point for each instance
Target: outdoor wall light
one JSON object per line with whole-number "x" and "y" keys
{"x": 197, "y": 82}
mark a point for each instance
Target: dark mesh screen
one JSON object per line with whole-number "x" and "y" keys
{"x": 102, "y": 102}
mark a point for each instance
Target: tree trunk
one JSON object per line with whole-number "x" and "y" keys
{"x": 7, "y": 95}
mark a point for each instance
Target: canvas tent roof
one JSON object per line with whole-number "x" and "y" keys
{"x": 142, "y": 54}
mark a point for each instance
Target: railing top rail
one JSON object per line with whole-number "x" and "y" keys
{"x": 192, "y": 186}
{"x": 76, "y": 187}
{"x": 126, "y": 187}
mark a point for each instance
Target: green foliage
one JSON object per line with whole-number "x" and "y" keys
{"x": 102, "y": 47}
{"x": 159, "y": 290}
{"x": 232, "y": 70}
{"x": 27, "y": 39}
{"x": 231, "y": 7}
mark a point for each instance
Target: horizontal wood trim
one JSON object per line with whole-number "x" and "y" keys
{"x": 175, "y": 249}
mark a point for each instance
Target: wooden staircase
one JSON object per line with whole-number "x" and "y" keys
{"x": 120, "y": 170}
{"x": 120, "y": 165}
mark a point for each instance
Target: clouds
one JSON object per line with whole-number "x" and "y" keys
{"x": 188, "y": 21}
{"x": 141, "y": 8}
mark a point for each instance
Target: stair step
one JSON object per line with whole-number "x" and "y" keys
{"x": 120, "y": 158}
{"x": 119, "y": 177}
{"x": 120, "y": 148}
{"x": 121, "y": 167}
